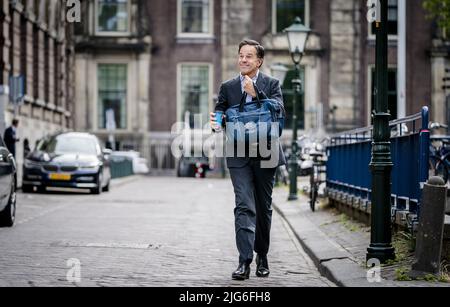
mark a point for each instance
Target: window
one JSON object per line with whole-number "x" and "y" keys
{"x": 195, "y": 93}
{"x": 288, "y": 96}
{"x": 195, "y": 17}
{"x": 112, "y": 93}
{"x": 112, "y": 16}
{"x": 392, "y": 19}
{"x": 392, "y": 92}
{"x": 285, "y": 11}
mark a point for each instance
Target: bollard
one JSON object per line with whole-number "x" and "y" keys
{"x": 431, "y": 228}
{"x": 447, "y": 210}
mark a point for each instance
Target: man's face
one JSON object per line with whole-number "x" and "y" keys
{"x": 249, "y": 62}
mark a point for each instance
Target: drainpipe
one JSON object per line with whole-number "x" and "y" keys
{"x": 401, "y": 60}
{"x": 355, "y": 78}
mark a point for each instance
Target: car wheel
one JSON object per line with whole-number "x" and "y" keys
{"x": 41, "y": 189}
{"x": 106, "y": 188}
{"x": 27, "y": 188}
{"x": 98, "y": 189}
{"x": 8, "y": 216}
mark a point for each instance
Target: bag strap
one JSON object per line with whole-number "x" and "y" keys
{"x": 244, "y": 99}
{"x": 281, "y": 105}
{"x": 242, "y": 103}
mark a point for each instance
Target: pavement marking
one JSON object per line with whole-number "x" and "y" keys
{"x": 43, "y": 213}
{"x": 107, "y": 245}
{"x": 137, "y": 202}
{"x": 30, "y": 206}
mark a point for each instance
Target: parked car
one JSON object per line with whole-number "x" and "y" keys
{"x": 193, "y": 167}
{"x": 68, "y": 160}
{"x": 7, "y": 187}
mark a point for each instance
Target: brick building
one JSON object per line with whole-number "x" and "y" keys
{"x": 36, "y": 42}
{"x": 177, "y": 52}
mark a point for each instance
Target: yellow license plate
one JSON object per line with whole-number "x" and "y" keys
{"x": 61, "y": 177}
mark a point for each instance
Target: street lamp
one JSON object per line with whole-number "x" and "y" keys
{"x": 279, "y": 72}
{"x": 297, "y": 35}
{"x": 381, "y": 165}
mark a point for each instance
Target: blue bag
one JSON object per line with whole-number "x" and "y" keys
{"x": 256, "y": 121}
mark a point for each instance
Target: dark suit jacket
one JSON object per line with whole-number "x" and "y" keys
{"x": 230, "y": 94}
{"x": 10, "y": 140}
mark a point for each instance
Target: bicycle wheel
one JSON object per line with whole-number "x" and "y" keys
{"x": 442, "y": 171}
{"x": 313, "y": 199}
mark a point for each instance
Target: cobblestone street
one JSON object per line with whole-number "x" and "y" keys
{"x": 147, "y": 232}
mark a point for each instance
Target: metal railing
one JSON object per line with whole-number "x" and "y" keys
{"x": 349, "y": 179}
{"x": 121, "y": 167}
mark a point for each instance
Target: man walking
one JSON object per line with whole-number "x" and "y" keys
{"x": 252, "y": 180}
{"x": 10, "y": 137}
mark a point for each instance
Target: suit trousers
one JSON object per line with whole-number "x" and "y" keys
{"x": 253, "y": 187}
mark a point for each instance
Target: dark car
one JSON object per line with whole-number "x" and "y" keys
{"x": 7, "y": 187}
{"x": 193, "y": 167}
{"x": 68, "y": 160}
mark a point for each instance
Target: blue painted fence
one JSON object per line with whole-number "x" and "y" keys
{"x": 349, "y": 155}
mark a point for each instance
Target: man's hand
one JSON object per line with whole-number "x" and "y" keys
{"x": 248, "y": 87}
{"x": 213, "y": 122}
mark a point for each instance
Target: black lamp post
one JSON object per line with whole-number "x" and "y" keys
{"x": 381, "y": 165}
{"x": 297, "y": 37}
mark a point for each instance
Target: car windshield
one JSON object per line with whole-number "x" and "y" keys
{"x": 65, "y": 144}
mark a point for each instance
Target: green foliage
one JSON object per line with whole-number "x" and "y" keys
{"x": 439, "y": 10}
{"x": 444, "y": 278}
{"x": 402, "y": 274}
{"x": 403, "y": 243}
{"x": 445, "y": 273}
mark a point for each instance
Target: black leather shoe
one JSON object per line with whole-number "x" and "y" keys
{"x": 262, "y": 266}
{"x": 242, "y": 272}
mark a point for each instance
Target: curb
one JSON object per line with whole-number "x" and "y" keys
{"x": 118, "y": 182}
{"x": 332, "y": 261}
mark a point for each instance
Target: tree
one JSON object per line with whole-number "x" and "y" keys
{"x": 440, "y": 11}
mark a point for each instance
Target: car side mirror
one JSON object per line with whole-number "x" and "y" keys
{"x": 12, "y": 161}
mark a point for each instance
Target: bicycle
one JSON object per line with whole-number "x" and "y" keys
{"x": 282, "y": 175}
{"x": 315, "y": 179}
{"x": 440, "y": 154}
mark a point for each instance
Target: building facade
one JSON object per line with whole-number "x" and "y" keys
{"x": 340, "y": 59}
{"x": 36, "y": 44}
{"x": 181, "y": 51}
{"x": 113, "y": 51}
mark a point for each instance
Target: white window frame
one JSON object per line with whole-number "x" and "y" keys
{"x": 372, "y": 36}
{"x": 274, "y": 15}
{"x": 210, "y": 33}
{"x": 210, "y": 87}
{"x": 112, "y": 33}
{"x": 369, "y": 89}
{"x": 97, "y": 96}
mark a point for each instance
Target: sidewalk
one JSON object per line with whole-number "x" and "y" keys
{"x": 338, "y": 245}
{"x": 117, "y": 182}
